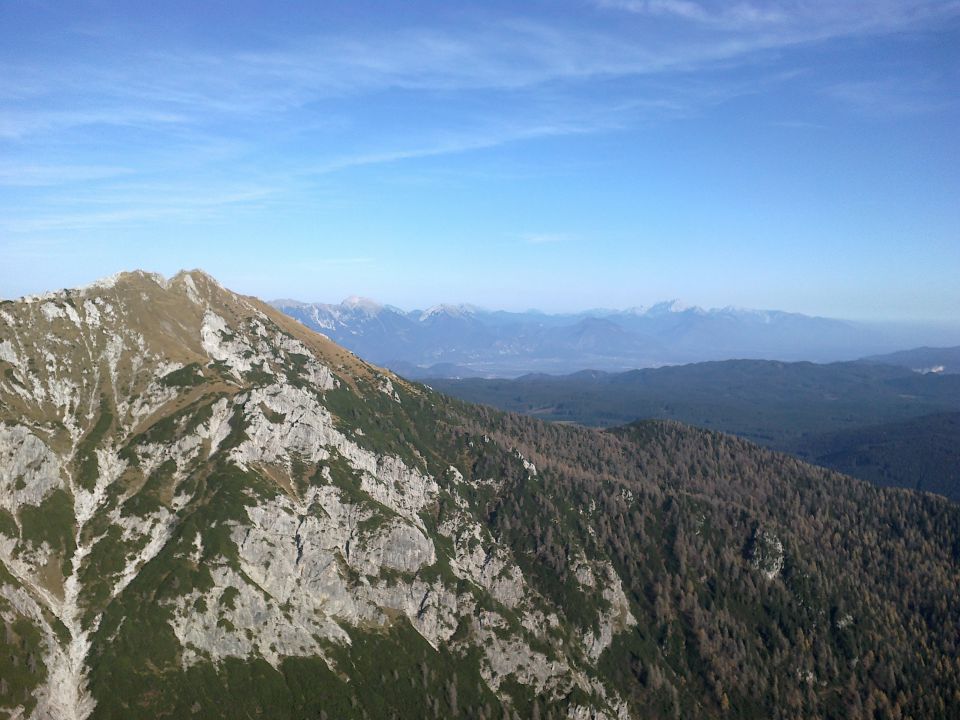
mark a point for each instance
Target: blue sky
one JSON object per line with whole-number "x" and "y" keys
{"x": 559, "y": 155}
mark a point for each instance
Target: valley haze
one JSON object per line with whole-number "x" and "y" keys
{"x": 460, "y": 340}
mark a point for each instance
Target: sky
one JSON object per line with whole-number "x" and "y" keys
{"x": 801, "y": 155}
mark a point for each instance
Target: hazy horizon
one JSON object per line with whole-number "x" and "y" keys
{"x": 946, "y": 331}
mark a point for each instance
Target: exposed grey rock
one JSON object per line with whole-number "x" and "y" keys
{"x": 29, "y": 469}
{"x": 766, "y": 553}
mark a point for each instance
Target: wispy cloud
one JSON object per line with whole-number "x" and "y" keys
{"x": 164, "y": 88}
{"x": 31, "y": 175}
{"x": 167, "y": 114}
{"x": 737, "y": 15}
{"x": 480, "y": 138}
{"x": 172, "y": 204}
{"x": 41, "y": 248}
{"x": 16, "y": 124}
{"x": 885, "y": 98}
{"x": 814, "y": 18}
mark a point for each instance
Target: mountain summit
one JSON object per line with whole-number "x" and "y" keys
{"x": 208, "y": 510}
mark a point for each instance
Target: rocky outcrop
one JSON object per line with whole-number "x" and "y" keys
{"x": 766, "y": 553}
{"x": 29, "y": 469}
{"x": 615, "y": 617}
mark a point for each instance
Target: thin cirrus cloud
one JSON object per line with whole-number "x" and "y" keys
{"x": 821, "y": 17}
{"x": 479, "y": 138}
{"x": 174, "y": 93}
{"x": 171, "y": 88}
{"x": 164, "y": 89}
{"x": 728, "y": 15}
{"x": 30, "y": 175}
{"x": 176, "y": 203}
{"x": 887, "y": 98}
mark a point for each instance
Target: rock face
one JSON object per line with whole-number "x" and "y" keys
{"x": 766, "y": 553}
{"x": 173, "y": 440}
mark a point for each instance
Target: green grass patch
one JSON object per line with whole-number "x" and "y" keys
{"x": 52, "y": 522}
{"x": 187, "y": 376}
{"x": 87, "y": 467}
{"x": 8, "y": 526}
{"x": 229, "y": 597}
{"x": 21, "y": 663}
{"x": 149, "y": 498}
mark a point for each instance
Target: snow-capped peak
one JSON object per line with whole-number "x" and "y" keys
{"x": 764, "y": 316}
{"x": 671, "y": 306}
{"x": 457, "y": 311}
{"x": 365, "y": 305}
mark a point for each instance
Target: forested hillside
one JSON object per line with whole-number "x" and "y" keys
{"x": 921, "y": 453}
{"x": 816, "y": 412}
{"x": 763, "y": 587}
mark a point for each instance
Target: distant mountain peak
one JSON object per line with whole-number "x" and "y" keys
{"x": 356, "y": 302}
{"x": 672, "y": 306}
{"x": 505, "y": 343}
{"x": 457, "y": 311}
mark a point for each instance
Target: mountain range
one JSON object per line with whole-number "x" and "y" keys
{"x": 466, "y": 341}
{"x": 208, "y": 510}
